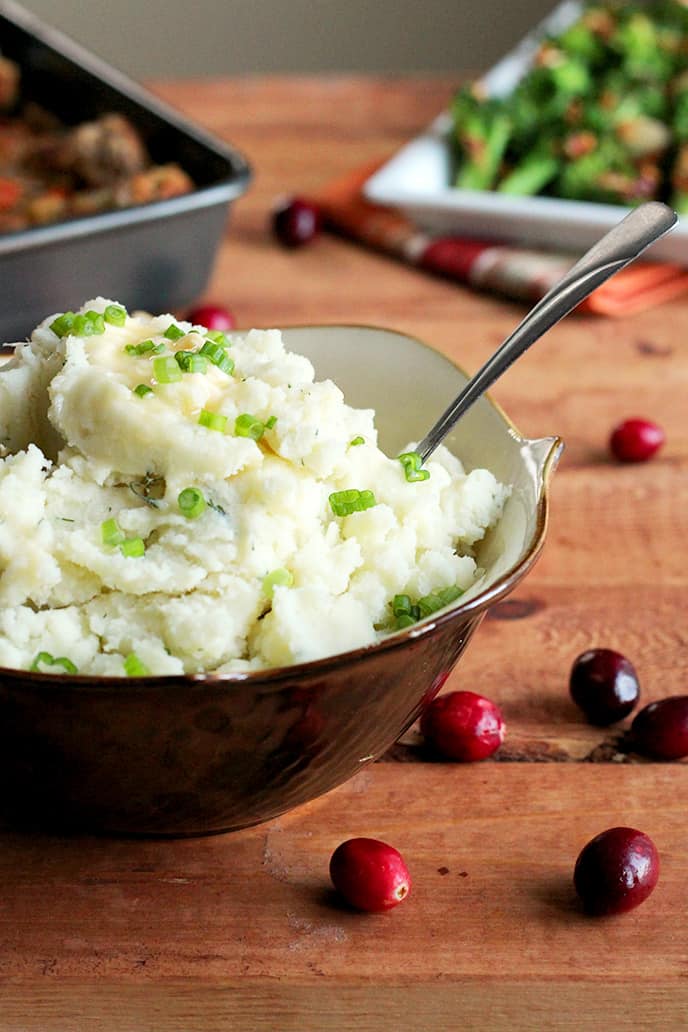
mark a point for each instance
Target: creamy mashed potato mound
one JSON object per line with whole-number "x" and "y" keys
{"x": 110, "y": 565}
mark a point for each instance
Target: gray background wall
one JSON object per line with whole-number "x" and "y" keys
{"x": 171, "y": 38}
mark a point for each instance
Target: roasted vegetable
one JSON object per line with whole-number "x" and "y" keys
{"x": 601, "y": 114}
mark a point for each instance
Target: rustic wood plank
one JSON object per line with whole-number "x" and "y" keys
{"x": 501, "y": 1006}
{"x": 490, "y": 847}
{"x": 491, "y": 926}
{"x": 241, "y": 931}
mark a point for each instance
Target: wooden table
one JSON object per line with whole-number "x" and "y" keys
{"x": 240, "y": 931}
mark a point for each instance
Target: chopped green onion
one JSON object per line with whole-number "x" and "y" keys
{"x": 407, "y": 613}
{"x": 132, "y": 548}
{"x": 142, "y": 389}
{"x": 191, "y": 362}
{"x": 115, "y": 315}
{"x": 344, "y": 503}
{"x": 62, "y": 326}
{"x": 144, "y": 348}
{"x": 246, "y": 425}
{"x": 412, "y": 462}
{"x": 173, "y": 332}
{"x": 429, "y": 604}
{"x": 270, "y": 422}
{"x": 280, "y": 577}
{"x": 166, "y": 370}
{"x": 225, "y": 365}
{"x": 450, "y": 594}
{"x": 215, "y": 353}
{"x": 135, "y": 667}
{"x": 219, "y": 337}
{"x": 356, "y": 440}
{"x": 191, "y": 502}
{"x": 88, "y": 325}
{"x": 45, "y": 659}
{"x": 401, "y": 605}
{"x": 111, "y": 533}
{"x": 97, "y": 321}
{"x": 82, "y": 327}
{"x": 213, "y": 420}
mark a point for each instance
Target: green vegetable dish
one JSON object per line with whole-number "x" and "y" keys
{"x": 600, "y": 115}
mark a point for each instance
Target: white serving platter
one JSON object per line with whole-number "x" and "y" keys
{"x": 417, "y": 181}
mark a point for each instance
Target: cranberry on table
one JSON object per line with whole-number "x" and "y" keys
{"x": 604, "y": 685}
{"x": 636, "y": 440}
{"x": 213, "y": 317}
{"x": 463, "y": 726}
{"x": 616, "y": 871}
{"x": 369, "y": 874}
{"x": 660, "y": 729}
{"x": 296, "y": 222}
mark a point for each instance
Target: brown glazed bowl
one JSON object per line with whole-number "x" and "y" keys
{"x": 205, "y": 753}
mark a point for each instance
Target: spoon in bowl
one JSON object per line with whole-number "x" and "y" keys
{"x": 617, "y": 248}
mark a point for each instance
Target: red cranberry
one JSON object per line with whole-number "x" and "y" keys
{"x": 661, "y": 728}
{"x": 636, "y": 440}
{"x": 369, "y": 874}
{"x": 463, "y": 726}
{"x": 213, "y": 317}
{"x": 604, "y": 684}
{"x": 616, "y": 871}
{"x": 296, "y": 222}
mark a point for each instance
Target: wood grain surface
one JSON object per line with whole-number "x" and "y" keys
{"x": 241, "y": 931}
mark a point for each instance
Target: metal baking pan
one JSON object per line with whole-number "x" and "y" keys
{"x": 156, "y": 256}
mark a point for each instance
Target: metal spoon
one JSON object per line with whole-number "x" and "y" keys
{"x": 617, "y": 248}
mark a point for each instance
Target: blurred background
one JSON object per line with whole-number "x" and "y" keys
{"x": 208, "y": 37}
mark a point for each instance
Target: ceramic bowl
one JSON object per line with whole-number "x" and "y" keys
{"x": 205, "y": 753}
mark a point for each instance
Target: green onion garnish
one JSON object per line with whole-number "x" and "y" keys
{"x": 406, "y": 612}
{"x": 412, "y": 462}
{"x": 219, "y": 337}
{"x": 111, "y": 533}
{"x": 191, "y": 502}
{"x": 173, "y": 332}
{"x": 45, "y": 659}
{"x": 135, "y": 667}
{"x": 142, "y": 389}
{"x": 344, "y": 503}
{"x": 429, "y": 604}
{"x": 166, "y": 370}
{"x": 213, "y": 420}
{"x": 132, "y": 548}
{"x": 115, "y": 315}
{"x": 283, "y": 578}
{"x": 356, "y": 440}
{"x": 450, "y": 594}
{"x": 191, "y": 362}
{"x": 144, "y": 348}
{"x": 63, "y": 324}
{"x": 97, "y": 321}
{"x": 82, "y": 327}
{"x": 401, "y": 605}
{"x": 270, "y": 422}
{"x": 215, "y": 353}
{"x": 88, "y": 325}
{"x": 246, "y": 425}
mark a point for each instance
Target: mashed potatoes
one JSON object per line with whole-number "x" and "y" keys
{"x": 176, "y": 501}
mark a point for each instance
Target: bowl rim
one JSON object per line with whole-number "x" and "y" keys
{"x": 270, "y": 676}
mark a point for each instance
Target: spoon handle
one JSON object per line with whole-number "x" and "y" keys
{"x": 617, "y": 248}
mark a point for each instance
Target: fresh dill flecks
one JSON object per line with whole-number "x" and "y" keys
{"x": 216, "y": 507}
{"x": 151, "y": 489}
